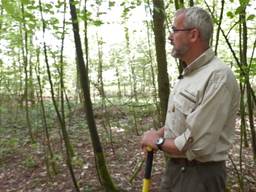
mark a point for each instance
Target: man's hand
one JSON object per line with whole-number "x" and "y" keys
{"x": 149, "y": 139}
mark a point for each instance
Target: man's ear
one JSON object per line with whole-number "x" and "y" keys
{"x": 194, "y": 35}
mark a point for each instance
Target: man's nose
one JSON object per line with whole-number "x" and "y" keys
{"x": 170, "y": 37}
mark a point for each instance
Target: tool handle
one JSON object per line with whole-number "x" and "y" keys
{"x": 148, "y": 169}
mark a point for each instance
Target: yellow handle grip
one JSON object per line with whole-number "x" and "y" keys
{"x": 148, "y": 168}
{"x": 146, "y": 185}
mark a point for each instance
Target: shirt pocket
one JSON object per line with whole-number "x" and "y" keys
{"x": 185, "y": 101}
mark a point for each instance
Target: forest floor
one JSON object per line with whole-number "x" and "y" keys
{"x": 22, "y": 164}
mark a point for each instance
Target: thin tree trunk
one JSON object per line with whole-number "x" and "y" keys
{"x": 25, "y": 60}
{"x": 131, "y": 64}
{"x": 104, "y": 176}
{"x": 69, "y": 150}
{"x": 153, "y": 81}
{"x": 243, "y": 56}
{"x": 243, "y": 116}
{"x": 31, "y": 86}
{"x": 62, "y": 87}
{"x": 159, "y": 32}
{"x": 50, "y": 161}
{"x": 119, "y": 93}
{"x": 178, "y": 4}
{"x": 219, "y": 25}
{"x": 106, "y": 121}
{"x": 191, "y": 3}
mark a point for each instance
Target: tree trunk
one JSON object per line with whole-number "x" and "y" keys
{"x": 153, "y": 80}
{"x": 104, "y": 176}
{"x": 131, "y": 64}
{"x": 25, "y": 60}
{"x": 179, "y": 4}
{"x": 191, "y": 3}
{"x": 243, "y": 57}
{"x": 119, "y": 92}
{"x": 62, "y": 87}
{"x": 243, "y": 116}
{"x": 163, "y": 79}
{"x": 50, "y": 162}
{"x": 104, "y": 109}
{"x": 218, "y": 29}
{"x": 69, "y": 150}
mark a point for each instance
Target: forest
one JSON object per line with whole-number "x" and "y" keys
{"x": 82, "y": 80}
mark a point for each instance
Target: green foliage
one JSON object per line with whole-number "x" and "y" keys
{"x": 26, "y": 2}
{"x": 8, "y": 146}
{"x": 230, "y": 14}
{"x": 244, "y": 2}
{"x": 128, "y": 6}
{"x": 240, "y": 9}
{"x": 12, "y": 8}
{"x": 77, "y": 161}
{"x": 111, "y": 3}
{"x": 29, "y": 162}
{"x": 253, "y": 68}
{"x": 251, "y": 17}
{"x": 98, "y": 22}
{"x": 85, "y": 15}
{"x": 56, "y": 158}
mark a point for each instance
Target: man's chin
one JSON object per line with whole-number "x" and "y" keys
{"x": 175, "y": 54}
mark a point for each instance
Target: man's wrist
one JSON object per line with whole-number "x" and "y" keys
{"x": 159, "y": 142}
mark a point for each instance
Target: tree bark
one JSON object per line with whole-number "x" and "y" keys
{"x": 25, "y": 60}
{"x": 49, "y": 150}
{"x": 159, "y": 32}
{"x": 104, "y": 176}
{"x": 68, "y": 146}
{"x": 218, "y": 29}
{"x": 243, "y": 56}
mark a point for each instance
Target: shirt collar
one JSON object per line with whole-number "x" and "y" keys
{"x": 203, "y": 59}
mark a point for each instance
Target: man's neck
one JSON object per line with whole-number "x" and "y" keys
{"x": 194, "y": 53}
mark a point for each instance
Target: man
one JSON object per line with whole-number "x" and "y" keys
{"x": 200, "y": 120}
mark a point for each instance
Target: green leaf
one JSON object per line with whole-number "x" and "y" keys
{"x": 251, "y": 17}
{"x": 230, "y": 15}
{"x": 25, "y": 2}
{"x": 98, "y": 22}
{"x": 48, "y": 5}
{"x": 111, "y": 3}
{"x": 215, "y": 20}
{"x": 85, "y": 15}
{"x": 31, "y": 7}
{"x": 12, "y": 9}
{"x": 244, "y": 2}
{"x": 239, "y": 10}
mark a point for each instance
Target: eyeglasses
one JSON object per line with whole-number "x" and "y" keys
{"x": 174, "y": 29}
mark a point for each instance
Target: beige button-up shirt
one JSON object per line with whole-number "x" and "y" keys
{"x": 202, "y": 109}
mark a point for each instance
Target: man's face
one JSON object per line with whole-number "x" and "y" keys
{"x": 179, "y": 38}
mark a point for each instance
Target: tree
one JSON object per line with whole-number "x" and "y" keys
{"x": 69, "y": 149}
{"x": 162, "y": 76}
{"x": 102, "y": 170}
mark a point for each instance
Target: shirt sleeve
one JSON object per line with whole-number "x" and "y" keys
{"x": 205, "y": 123}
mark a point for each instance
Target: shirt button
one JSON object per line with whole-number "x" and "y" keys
{"x": 183, "y": 169}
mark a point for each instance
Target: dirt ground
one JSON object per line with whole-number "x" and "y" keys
{"x": 23, "y": 169}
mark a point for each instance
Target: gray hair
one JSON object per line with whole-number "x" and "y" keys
{"x": 200, "y": 19}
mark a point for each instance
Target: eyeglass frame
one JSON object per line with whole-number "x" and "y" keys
{"x": 175, "y": 30}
